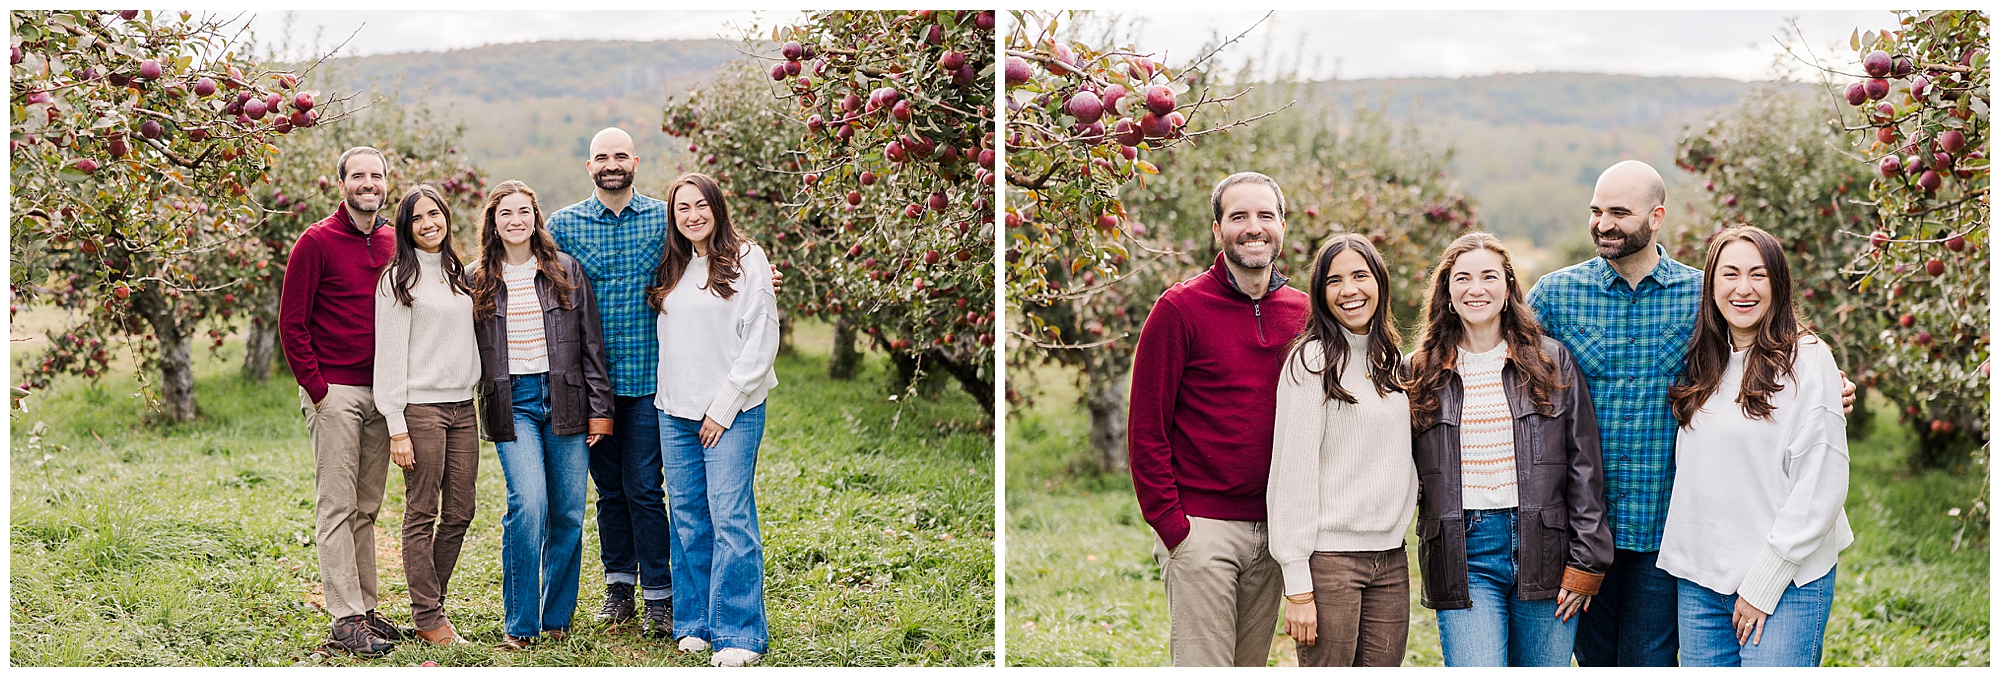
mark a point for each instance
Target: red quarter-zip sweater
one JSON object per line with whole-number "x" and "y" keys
{"x": 326, "y": 316}
{"x": 1205, "y": 397}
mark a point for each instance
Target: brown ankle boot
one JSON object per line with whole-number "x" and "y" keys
{"x": 444, "y": 635}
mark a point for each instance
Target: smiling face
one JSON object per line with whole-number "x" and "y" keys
{"x": 1252, "y": 226}
{"x": 1742, "y": 287}
{"x": 514, "y": 218}
{"x": 693, "y": 216}
{"x": 1478, "y": 287}
{"x": 1625, "y": 211}
{"x": 1352, "y": 291}
{"x": 612, "y": 160}
{"x": 428, "y": 224}
{"x": 364, "y": 183}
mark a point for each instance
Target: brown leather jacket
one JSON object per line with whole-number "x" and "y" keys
{"x": 1564, "y": 540}
{"x": 579, "y": 388}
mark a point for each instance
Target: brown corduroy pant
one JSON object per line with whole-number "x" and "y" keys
{"x": 1363, "y": 600}
{"x": 439, "y": 506}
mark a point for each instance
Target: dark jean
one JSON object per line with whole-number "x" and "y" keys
{"x": 1500, "y": 629}
{"x": 719, "y": 553}
{"x": 1631, "y": 620}
{"x": 541, "y": 538}
{"x": 1794, "y": 633}
{"x": 633, "y": 531}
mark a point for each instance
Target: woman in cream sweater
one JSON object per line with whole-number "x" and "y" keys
{"x": 1343, "y": 484}
{"x": 718, "y": 333}
{"x": 426, "y": 365}
{"x": 1756, "y": 521}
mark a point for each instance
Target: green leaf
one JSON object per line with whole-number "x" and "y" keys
{"x": 72, "y": 175}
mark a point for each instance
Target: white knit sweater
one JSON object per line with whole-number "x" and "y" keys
{"x": 1342, "y": 476}
{"x": 717, "y": 356}
{"x": 426, "y": 353}
{"x": 1759, "y": 504}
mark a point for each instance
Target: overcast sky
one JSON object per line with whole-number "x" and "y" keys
{"x": 383, "y": 32}
{"x": 1375, "y": 44}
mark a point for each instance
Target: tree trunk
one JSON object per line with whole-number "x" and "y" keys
{"x": 846, "y": 361}
{"x": 176, "y": 355}
{"x": 260, "y": 344}
{"x": 785, "y": 333}
{"x": 1105, "y": 396}
{"x": 968, "y": 377}
{"x": 176, "y": 375}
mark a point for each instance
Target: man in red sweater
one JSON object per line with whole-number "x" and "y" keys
{"x": 1204, "y": 395}
{"x": 326, "y": 318}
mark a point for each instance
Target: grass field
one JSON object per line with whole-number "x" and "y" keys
{"x": 1082, "y": 588}
{"x": 192, "y": 545}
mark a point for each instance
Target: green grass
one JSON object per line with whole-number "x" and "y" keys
{"x": 192, "y": 545}
{"x": 1082, "y": 587}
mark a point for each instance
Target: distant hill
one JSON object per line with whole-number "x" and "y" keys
{"x": 531, "y": 108}
{"x": 1530, "y": 146}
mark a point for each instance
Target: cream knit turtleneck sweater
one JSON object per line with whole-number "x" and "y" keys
{"x": 1342, "y": 477}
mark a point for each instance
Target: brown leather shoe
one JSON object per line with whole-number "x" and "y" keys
{"x": 555, "y": 635}
{"x": 512, "y": 643}
{"x": 444, "y": 635}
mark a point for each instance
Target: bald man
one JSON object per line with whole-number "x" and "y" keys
{"x": 1628, "y": 317}
{"x": 617, "y": 235}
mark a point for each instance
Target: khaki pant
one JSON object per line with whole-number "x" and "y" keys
{"x": 1363, "y": 599}
{"x": 1223, "y": 591}
{"x": 350, "y": 471}
{"x": 445, "y": 440}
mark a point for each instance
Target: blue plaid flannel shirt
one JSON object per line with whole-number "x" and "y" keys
{"x": 1630, "y": 344}
{"x": 619, "y": 252}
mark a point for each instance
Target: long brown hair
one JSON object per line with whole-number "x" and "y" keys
{"x": 724, "y": 246}
{"x": 403, "y": 270}
{"x": 1770, "y": 355}
{"x": 1384, "y": 342}
{"x": 1437, "y": 345}
{"x": 487, "y": 280}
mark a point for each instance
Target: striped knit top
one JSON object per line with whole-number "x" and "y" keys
{"x": 527, "y": 347}
{"x": 1486, "y": 432}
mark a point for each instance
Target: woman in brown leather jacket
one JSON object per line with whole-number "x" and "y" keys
{"x": 1513, "y": 540}
{"x": 544, "y": 397}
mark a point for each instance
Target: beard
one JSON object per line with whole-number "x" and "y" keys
{"x": 366, "y": 203}
{"x": 612, "y": 179}
{"x": 1247, "y": 260}
{"x": 1626, "y": 244}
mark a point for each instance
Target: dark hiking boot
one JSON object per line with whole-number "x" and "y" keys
{"x": 352, "y": 635}
{"x": 381, "y": 627}
{"x": 617, "y": 604}
{"x": 660, "y": 618}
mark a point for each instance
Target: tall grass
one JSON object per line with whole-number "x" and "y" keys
{"x": 1083, "y": 589}
{"x": 192, "y": 545}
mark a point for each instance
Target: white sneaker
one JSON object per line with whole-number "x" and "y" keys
{"x": 734, "y": 658}
{"x": 692, "y": 644}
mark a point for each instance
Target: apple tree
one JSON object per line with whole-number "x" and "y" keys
{"x": 867, "y": 155}
{"x": 1099, "y": 227}
{"x": 136, "y": 143}
{"x": 1918, "y": 112}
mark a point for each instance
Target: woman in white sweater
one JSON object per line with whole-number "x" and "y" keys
{"x": 1756, "y": 521}
{"x": 718, "y": 332}
{"x": 1343, "y": 484}
{"x": 426, "y": 365}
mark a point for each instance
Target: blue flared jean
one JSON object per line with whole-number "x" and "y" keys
{"x": 1794, "y": 634}
{"x": 541, "y": 537}
{"x": 718, "y": 558}
{"x": 1500, "y": 629}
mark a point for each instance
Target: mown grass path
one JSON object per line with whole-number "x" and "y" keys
{"x": 192, "y": 545}
{"x": 1082, "y": 588}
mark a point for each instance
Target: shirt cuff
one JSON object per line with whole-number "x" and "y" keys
{"x": 1769, "y": 575}
{"x": 1581, "y": 582}
{"x": 600, "y": 426}
{"x": 1298, "y": 576}
{"x": 727, "y": 404}
{"x": 397, "y": 424}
